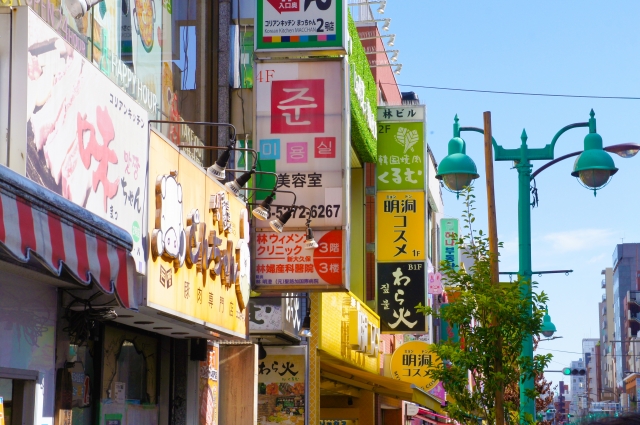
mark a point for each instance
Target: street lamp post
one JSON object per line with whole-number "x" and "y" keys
{"x": 594, "y": 167}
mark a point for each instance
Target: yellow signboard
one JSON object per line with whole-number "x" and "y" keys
{"x": 199, "y": 267}
{"x": 411, "y": 362}
{"x": 1, "y": 411}
{"x": 401, "y": 218}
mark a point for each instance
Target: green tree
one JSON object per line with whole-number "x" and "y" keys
{"x": 492, "y": 320}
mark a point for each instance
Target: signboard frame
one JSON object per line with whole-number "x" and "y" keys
{"x": 345, "y": 153}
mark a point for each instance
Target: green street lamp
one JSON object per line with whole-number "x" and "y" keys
{"x": 594, "y": 167}
{"x": 548, "y": 328}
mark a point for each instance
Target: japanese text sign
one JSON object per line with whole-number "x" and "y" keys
{"x": 449, "y": 242}
{"x": 401, "y": 148}
{"x": 412, "y": 361}
{"x": 282, "y": 262}
{"x": 401, "y": 287}
{"x": 281, "y": 386}
{"x": 277, "y": 315}
{"x": 289, "y": 26}
{"x": 87, "y": 139}
{"x": 199, "y": 266}
{"x": 300, "y": 130}
{"x": 400, "y": 229}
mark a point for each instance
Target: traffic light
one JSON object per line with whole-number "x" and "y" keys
{"x": 578, "y": 371}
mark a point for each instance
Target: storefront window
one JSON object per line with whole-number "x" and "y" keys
{"x": 132, "y": 371}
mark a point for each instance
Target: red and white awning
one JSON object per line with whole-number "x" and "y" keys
{"x": 38, "y": 224}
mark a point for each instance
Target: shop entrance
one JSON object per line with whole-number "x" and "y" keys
{"x": 17, "y": 397}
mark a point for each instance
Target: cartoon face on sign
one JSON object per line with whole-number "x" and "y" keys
{"x": 168, "y": 240}
{"x": 435, "y": 283}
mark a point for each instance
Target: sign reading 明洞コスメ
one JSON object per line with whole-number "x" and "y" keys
{"x": 288, "y": 26}
{"x": 401, "y": 148}
{"x": 400, "y": 230}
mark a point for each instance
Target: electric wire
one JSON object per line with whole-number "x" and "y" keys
{"x": 515, "y": 93}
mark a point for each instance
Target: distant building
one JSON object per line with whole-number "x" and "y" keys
{"x": 578, "y": 388}
{"x": 589, "y": 348}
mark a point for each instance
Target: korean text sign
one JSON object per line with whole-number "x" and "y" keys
{"x": 400, "y": 230}
{"x": 200, "y": 262}
{"x": 298, "y": 25}
{"x": 88, "y": 138}
{"x": 449, "y": 242}
{"x": 400, "y": 289}
{"x": 401, "y": 148}
{"x": 281, "y": 386}
{"x": 412, "y": 361}
{"x": 283, "y": 262}
{"x": 300, "y": 130}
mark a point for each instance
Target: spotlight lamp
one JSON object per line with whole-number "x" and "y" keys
{"x": 217, "y": 170}
{"x": 263, "y": 211}
{"x": 305, "y": 328}
{"x": 237, "y": 184}
{"x": 310, "y": 242}
{"x": 278, "y": 224}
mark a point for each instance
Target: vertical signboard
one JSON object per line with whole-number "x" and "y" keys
{"x": 281, "y": 386}
{"x": 300, "y": 126}
{"x": 208, "y": 387}
{"x": 449, "y": 242}
{"x": 401, "y": 217}
{"x": 87, "y": 140}
{"x": 400, "y": 289}
{"x": 290, "y": 26}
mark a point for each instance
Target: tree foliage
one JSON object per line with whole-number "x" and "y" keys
{"x": 484, "y": 313}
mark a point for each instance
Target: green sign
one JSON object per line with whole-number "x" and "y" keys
{"x": 449, "y": 241}
{"x": 401, "y": 155}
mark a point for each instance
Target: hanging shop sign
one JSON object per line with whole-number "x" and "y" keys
{"x": 412, "y": 361}
{"x": 86, "y": 140}
{"x": 277, "y": 315}
{"x": 283, "y": 262}
{"x": 400, "y": 289}
{"x": 295, "y": 27}
{"x": 400, "y": 230}
{"x": 208, "y": 386}
{"x": 350, "y": 330}
{"x": 281, "y": 386}
{"x": 301, "y": 131}
{"x": 402, "y": 162}
{"x": 449, "y": 241}
{"x": 200, "y": 262}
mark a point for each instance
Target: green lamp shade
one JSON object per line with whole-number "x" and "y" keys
{"x": 548, "y": 328}
{"x": 594, "y": 166}
{"x": 457, "y": 171}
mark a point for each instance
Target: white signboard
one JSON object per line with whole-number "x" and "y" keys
{"x": 87, "y": 139}
{"x": 300, "y": 109}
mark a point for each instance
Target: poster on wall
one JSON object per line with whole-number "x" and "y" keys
{"x": 402, "y": 148}
{"x": 208, "y": 387}
{"x": 401, "y": 287}
{"x": 87, "y": 141}
{"x": 287, "y": 26}
{"x": 281, "y": 386}
{"x": 300, "y": 130}
{"x": 282, "y": 261}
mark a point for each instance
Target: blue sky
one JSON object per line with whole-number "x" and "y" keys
{"x": 568, "y": 47}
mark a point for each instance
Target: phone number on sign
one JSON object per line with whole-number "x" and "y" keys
{"x": 316, "y": 211}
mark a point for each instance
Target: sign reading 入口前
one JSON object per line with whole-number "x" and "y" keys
{"x": 412, "y": 361}
{"x": 400, "y": 230}
{"x": 300, "y": 130}
{"x": 449, "y": 242}
{"x": 289, "y": 26}
{"x": 200, "y": 262}
{"x": 401, "y": 148}
{"x": 400, "y": 289}
{"x": 89, "y": 139}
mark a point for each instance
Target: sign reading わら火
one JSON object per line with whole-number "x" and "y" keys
{"x": 400, "y": 289}
{"x": 287, "y": 26}
{"x": 199, "y": 235}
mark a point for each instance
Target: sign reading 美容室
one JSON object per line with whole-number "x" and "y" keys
{"x": 285, "y": 26}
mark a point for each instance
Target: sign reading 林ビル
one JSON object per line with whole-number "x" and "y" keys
{"x": 86, "y": 139}
{"x": 401, "y": 148}
{"x": 400, "y": 230}
{"x": 290, "y": 26}
{"x": 400, "y": 289}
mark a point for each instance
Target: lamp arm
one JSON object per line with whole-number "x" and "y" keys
{"x": 565, "y": 129}
{"x": 293, "y": 205}
{"x": 481, "y": 131}
{"x": 216, "y": 148}
{"x": 205, "y": 123}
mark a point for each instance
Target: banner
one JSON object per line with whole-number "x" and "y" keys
{"x": 400, "y": 230}
{"x": 400, "y": 289}
{"x": 282, "y": 386}
{"x": 87, "y": 140}
{"x": 449, "y": 241}
{"x": 290, "y": 26}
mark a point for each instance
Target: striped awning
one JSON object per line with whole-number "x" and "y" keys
{"x": 37, "y": 224}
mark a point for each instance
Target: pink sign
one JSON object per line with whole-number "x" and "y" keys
{"x": 435, "y": 283}
{"x": 297, "y": 106}
{"x": 297, "y": 152}
{"x": 325, "y": 147}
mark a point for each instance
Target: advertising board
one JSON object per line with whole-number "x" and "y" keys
{"x": 285, "y": 27}
{"x": 86, "y": 139}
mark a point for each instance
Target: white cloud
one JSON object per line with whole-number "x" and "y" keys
{"x": 579, "y": 240}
